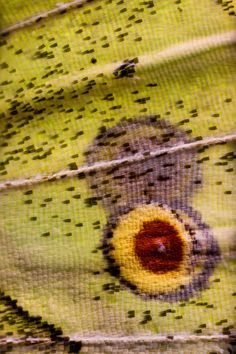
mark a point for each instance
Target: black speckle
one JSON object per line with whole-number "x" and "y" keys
{"x": 75, "y": 347}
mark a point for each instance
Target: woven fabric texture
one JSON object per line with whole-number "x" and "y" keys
{"x": 117, "y": 193}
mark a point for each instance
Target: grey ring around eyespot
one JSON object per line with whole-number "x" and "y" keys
{"x": 197, "y": 284}
{"x": 154, "y": 176}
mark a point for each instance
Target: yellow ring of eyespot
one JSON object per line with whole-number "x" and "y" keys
{"x": 123, "y": 251}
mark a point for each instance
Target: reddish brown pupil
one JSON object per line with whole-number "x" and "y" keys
{"x": 159, "y": 247}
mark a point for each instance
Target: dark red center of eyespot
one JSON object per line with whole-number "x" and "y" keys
{"x": 159, "y": 247}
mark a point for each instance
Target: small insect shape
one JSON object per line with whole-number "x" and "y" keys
{"x": 126, "y": 69}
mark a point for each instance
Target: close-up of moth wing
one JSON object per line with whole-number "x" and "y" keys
{"x": 117, "y": 171}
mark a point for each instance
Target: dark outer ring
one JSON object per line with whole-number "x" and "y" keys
{"x": 198, "y": 283}
{"x": 132, "y": 123}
